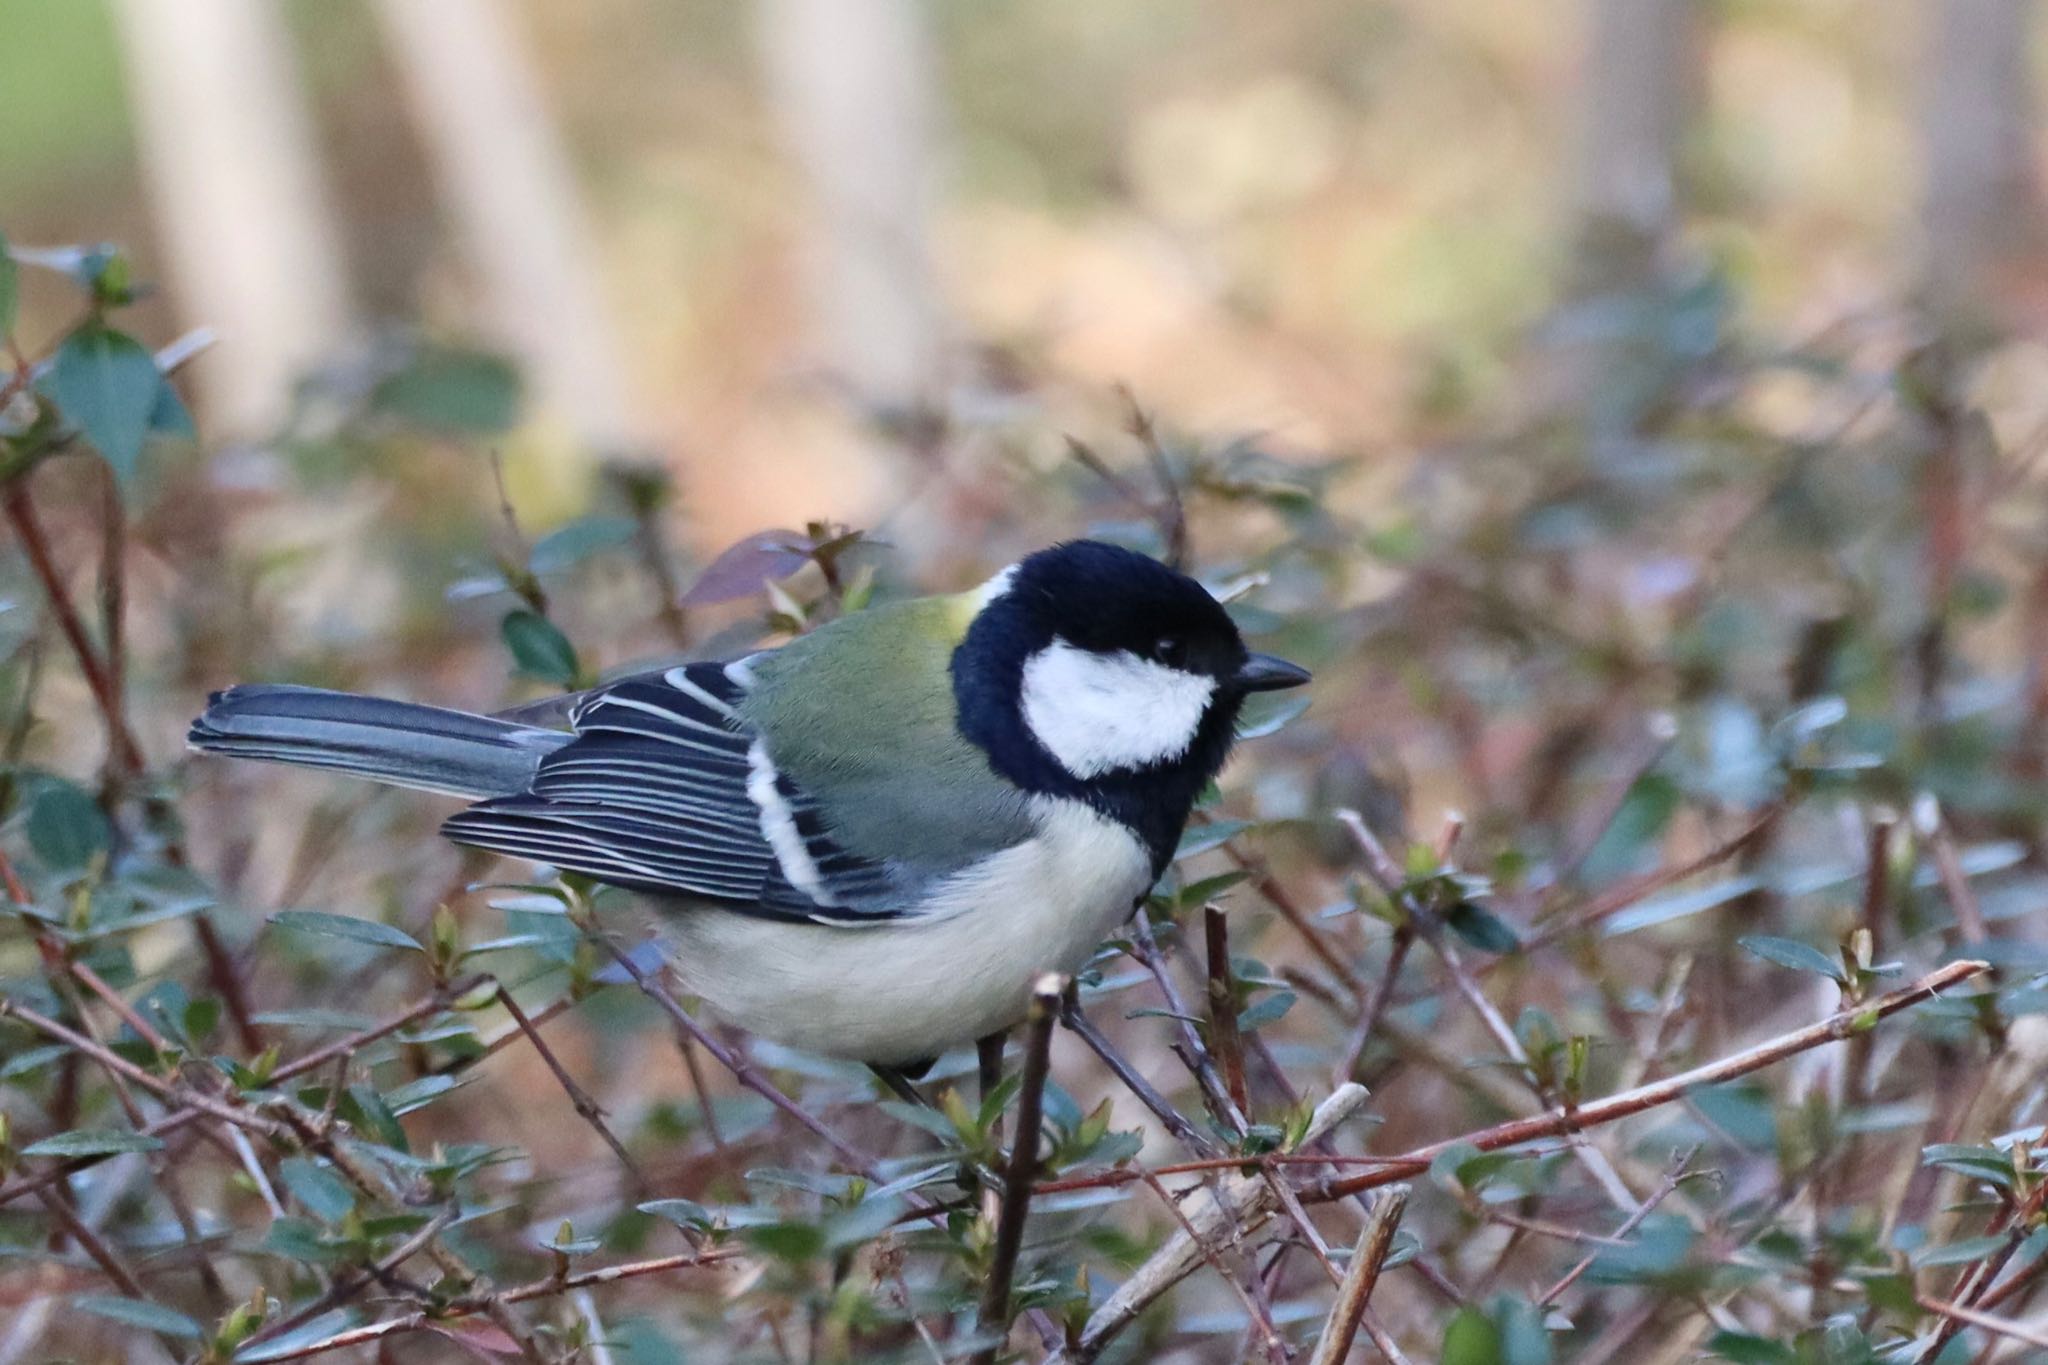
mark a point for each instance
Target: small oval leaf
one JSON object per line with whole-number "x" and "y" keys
{"x": 345, "y": 926}
{"x": 1786, "y": 952}
{"x": 539, "y": 648}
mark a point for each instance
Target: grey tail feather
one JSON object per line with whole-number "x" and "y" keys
{"x": 402, "y": 743}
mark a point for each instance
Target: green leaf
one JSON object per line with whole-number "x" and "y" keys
{"x": 1481, "y": 928}
{"x": 869, "y": 1219}
{"x": 571, "y": 544}
{"x": 302, "y": 1240}
{"x": 31, "y": 1059}
{"x": 345, "y": 926}
{"x": 168, "y": 415}
{"x": 1791, "y": 953}
{"x": 456, "y": 392}
{"x": 540, "y": 650}
{"x": 1267, "y": 1009}
{"x": 1470, "y": 1339}
{"x": 87, "y": 1142}
{"x": 1976, "y": 1162}
{"x": 923, "y": 1117}
{"x": 684, "y": 1213}
{"x": 10, "y": 287}
{"x": 325, "y": 1195}
{"x": 1202, "y": 838}
{"x": 1745, "y": 1349}
{"x": 106, "y": 383}
{"x": 418, "y": 1094}
{"x": 1958, "y": 1253}
{"x": 366, "y": 1109}
{"x": 66, "y": 828}
{"x": 152, "y": 1317}
{"x": 788, "y": 1241}
{"x": 285, "y": 1343}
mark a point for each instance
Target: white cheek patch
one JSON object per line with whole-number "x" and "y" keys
{"x": 1099, "y": 713}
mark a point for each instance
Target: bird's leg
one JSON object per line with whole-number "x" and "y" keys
{"x": 989, "y": 1051}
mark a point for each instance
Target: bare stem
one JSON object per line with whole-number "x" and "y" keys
{"x": 1223, "y": 1008}
{"x": 1355, "y": 1294}
{"x": 1557, "y": 1123}
{"x": 1023, "y": 1164}
{"x": 1172, "y": 1119}
{"x": 21, "y": 513}
{"x": 580, "y": 1098}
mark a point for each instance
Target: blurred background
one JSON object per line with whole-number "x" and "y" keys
{"x": 1632, "y": 409}
{"x": 773, "y": 247}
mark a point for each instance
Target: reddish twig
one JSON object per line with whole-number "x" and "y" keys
{"x": 1592, "y": 1114}
{"x": 28, "y": 528}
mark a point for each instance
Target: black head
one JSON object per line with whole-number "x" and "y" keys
{"x": 1095, "y": 672}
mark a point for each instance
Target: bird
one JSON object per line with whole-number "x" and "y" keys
{"x": 868, "y": 842}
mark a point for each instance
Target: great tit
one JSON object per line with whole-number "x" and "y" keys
{"x": 869, "y": 842}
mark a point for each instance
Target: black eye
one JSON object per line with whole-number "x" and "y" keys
{"x": 1170, "y": 650}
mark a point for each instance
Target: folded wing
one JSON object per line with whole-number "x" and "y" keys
{"x": 666, "y": 789}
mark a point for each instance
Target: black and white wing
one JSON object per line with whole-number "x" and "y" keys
{"x": 666, "y": 789}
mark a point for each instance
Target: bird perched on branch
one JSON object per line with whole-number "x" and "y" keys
{"x": 869, "y": 842}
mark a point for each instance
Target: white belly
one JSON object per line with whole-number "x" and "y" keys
{"x": 899, "y": 991}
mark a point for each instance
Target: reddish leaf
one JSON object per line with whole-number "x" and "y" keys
{"x": 484, "y": 1338}
{"x": 764, "y": 557}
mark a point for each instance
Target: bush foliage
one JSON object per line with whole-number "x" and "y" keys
{"x": 1728, "y": 648}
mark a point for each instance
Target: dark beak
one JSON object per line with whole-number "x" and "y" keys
{"x": 1264, "y": 673}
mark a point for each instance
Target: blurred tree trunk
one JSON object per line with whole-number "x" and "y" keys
{"x": 509, "y": 186}
{"x": 1980, "y": 207}
{"x": 1641, "y": 86}
{"x": 231, "y": 166}
{"x": 852, "y": 82}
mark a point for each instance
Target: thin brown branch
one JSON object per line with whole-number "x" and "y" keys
{"x": 1975, "y": 1317}
{"x": 93, "y": 1245}
{"x": 1375, "y": 1006}
{"x": 1354, "y": 1296}
{"x": 1189, "y": 1048}
{"x": 1023, "y": 1164}
{"x": 166, "y": 1090}
{"x": 1558, "y": 1122}
{"x": 113, "y": 598}
{"x": 180, "y": 1117}
{"x": 165, "y": 1172}
{"x": 584, "y": 1105}
{"x": 1229, "y": 1046}
{"x": 1268, "y": 886}
{"x": 1627, "y": 893}
{"x": 1673, "y": 1174}
{"x": 348, "y": 1287}
{"x": 742, "y": 1070}
{"x": 28, "y": 528}
{"x": 1172, "y": 1119}
{"x": 1955, "y": 883}
{"x": 1261, "y": 1319}
{"x": 473, "y": 1306}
